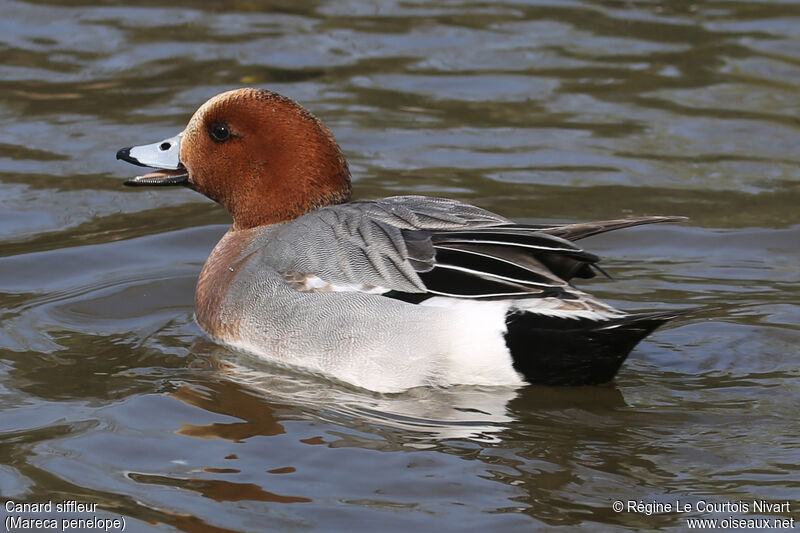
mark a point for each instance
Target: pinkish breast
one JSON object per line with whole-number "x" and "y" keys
{"x": 215, "y": 281}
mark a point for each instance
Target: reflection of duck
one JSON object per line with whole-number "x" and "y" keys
{"x": 264, "y": 395}
{"x": 385, "y": 294}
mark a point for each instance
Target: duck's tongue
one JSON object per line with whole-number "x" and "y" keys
{"x": 160, "y": 177}
{"x": 164, "y": 156}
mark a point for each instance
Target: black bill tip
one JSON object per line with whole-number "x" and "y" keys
{"x": 124, "y": 154}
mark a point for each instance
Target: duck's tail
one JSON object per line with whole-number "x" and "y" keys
{"x": 551, "y": 350}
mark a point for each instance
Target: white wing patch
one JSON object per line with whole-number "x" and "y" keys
{"x": 313, "y": 283}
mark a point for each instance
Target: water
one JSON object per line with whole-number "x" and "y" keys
{"x": 561, "y": 111}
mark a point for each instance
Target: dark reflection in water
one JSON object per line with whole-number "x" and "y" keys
{"x": 542, "y": 111}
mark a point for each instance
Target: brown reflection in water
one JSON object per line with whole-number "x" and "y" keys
{"x": 282, "y": 470}
{"x": 313, "y": 440}
{"x": 229, "y": 399}
{"x": 221, "y": 470}
{"x": 193, "y": 524}
{"x": 221, "y": 491}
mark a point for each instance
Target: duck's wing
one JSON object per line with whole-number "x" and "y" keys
{"x": 424, "y": 246}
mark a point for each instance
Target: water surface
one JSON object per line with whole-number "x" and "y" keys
{"x": 541, "y": 111}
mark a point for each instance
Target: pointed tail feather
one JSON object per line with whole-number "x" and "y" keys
{"x": 574, "y": 232}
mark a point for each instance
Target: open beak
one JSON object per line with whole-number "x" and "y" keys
{"x": 164, "y": 156}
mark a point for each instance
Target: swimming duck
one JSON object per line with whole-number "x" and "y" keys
{"x": 384, "y": 294}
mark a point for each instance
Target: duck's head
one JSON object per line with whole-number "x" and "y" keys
{"x": 261, "y": 155}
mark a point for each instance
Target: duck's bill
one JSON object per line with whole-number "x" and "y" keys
{"x": 164, "y": 156}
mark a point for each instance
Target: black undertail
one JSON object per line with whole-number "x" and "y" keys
{"x": 550, "y": 350}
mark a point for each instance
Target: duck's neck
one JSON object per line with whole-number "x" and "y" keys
{"x": 295, "y": 181}
{"x": 282, "y": 204}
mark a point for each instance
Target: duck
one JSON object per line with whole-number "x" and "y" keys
{"x": 385, "y": 294}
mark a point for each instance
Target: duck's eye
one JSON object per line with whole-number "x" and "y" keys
{"x": 220, "y": 132}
